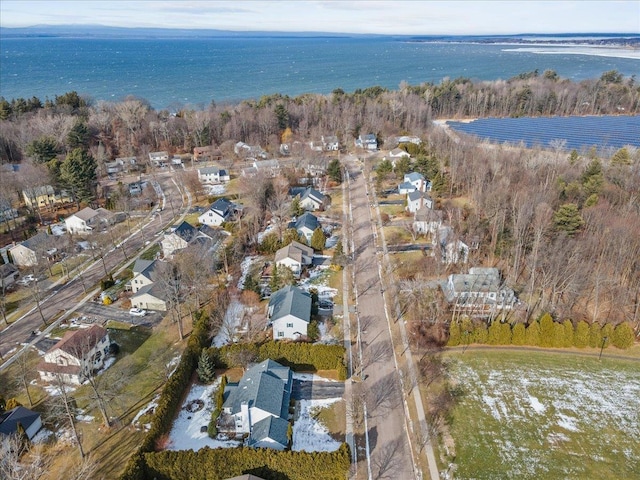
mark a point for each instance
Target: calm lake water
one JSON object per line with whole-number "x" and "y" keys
{"x": 580, "y": 133}
{"x": 171, "y": 73}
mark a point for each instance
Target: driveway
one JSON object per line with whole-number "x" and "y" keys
{"x": 316, "y": 390}
{"x": 102, "y": 313}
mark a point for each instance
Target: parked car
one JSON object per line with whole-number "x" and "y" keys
{"x": 137, "y": 312}
{"x": 26, "y": 280}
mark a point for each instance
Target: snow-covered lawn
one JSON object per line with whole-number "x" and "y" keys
{"x": 318, "y": 279}
{"x": 231, "y": 322}
{"x": 213, "y": 190}
{"x": 308, "y": 433}
{"x": 545, "y": 416}
{"x": 186, "y": 432}
{"x": 245, "y": 266}
{"x": 148, "y": 408}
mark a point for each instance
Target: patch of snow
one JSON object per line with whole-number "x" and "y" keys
{"x": 244, "y": 270}
{"x": 269, "y": 229}
{"x": 173, "y": 364}
{"x": 215, "y": 189}
{"x": 230, "y": 323}
{"x": 568, "y": 423}
{"x": 311, "y": 377}
{"x": 536, "y": 405}
{"x": 318, "y": 279}
{"x": 146, "y": 409}
{"x": 107, "y": 363}
{"x": 309, "y": 434}
{"x": 331, "y": 241}
{"x": 54, "y": 390}
{"x": 185, "y": 433}
{"x": 58, "y": 229}
{"x": 85, "y": 418}
{"x": 42, "y": 436}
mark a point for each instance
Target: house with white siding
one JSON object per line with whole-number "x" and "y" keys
{"x": 289, "y": 312}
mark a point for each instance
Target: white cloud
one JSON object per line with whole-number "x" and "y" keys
{"x": 385, "y": 17}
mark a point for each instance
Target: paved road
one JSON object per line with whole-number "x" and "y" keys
{"x": 65, "y": 297}
{"x": 386, "y": 426}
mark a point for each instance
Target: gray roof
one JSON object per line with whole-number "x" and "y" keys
{"x": 290, "y": 300}
{"x": 413, "y": 176}
{"x": 267, "y": 386}
{"x": 307, "y": 220}
{"x": 222, "y": 207}
{"x": 210, "y": 170}
{"x": 415, "y": 195}
{"x": 186, "y": 231}
{"x": 7, "y": 269}
{"x": 274, "y": 428}
{"x": 86, "y": 214}
{"x": 154, "y": 290}
{"x": 425, "y": 214}
{"x": 407, "y": 186}
{"x": 313, "y": 195}
{"x": 141, "y": 265}
{"x": 294, "y": 250}
{"x": 36, "y": 241}
{"x": 9, "y": 420}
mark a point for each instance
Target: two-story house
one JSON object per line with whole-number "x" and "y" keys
{"x": 417, "y": 200}
{"x": 147, "y": 293}
{"x": 45, "y": 197}
{"x": 87, "y": 220}
{"x": 220, "y": 211}
{"x": 213, "y": 175}
{"x": 259, "y": 404}
{"x": 289, "y": 312}
{"x": 294, "y": 256}
{"x": 305, "y": 225}
{"x": 312, "y": 200}
{"x": 76, "y": 356}
{"x": 330, "y": 143}
{"x": 368, "y": 142}
{"x": 29, "y": 252}
{"x": 159, "y": 159}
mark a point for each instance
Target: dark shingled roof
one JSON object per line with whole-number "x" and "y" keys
{"x": 9, "y": 420}
{"x": 290, "y": 300}
{"x": 274, "y": 428}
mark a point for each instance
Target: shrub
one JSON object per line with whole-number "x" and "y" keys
{"x": 518, "y": 334}
{"x": 581, "y": 336}
{"x": 623, "y": 336}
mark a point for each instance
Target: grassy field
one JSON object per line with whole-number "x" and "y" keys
{"x": 539, "y": 415}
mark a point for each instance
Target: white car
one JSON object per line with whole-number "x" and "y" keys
{"x": 24, "y": 281}
{"x": 137, "y": 312}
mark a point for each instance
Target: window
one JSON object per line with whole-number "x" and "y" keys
{"x": 280, "y": 334}
{"x": 289, "y": 325}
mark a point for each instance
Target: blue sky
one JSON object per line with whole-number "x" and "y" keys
{"x": 360, "y": 16}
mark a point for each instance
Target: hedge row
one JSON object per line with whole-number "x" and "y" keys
{"x": 222, "y": 463}
{"x": 298, "y": 356}
{"x": 544, "y": 332}
{"x": 171, "y": 396}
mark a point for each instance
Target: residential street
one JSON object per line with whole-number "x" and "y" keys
{"x": 70, "y": 296}
{"x": 390, "y": 452}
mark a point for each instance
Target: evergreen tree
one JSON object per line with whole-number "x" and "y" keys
{"x": 251, "y": 284}
{"x": 595, "y": 337}
{"x": 78, "y": 136}
{"x": 78, "y": 175}
{"x": 291, "y": 235}
{"x": 568, "y": 333}
{"x": 573, "y": 157}
{"x": 206, "y": 368}
{"x": 339, "y": 257}
{"x": 581, "y": 337}
{"x": 504, "y": 336}
{"x": 313, "y": 331}
{"x": 454, "y": 334}
{"x": 592, "y": 178}
{"x": 493, "y": 337}
{"x": 334, "y": 170}
{"x": 296, "y": 208}
{"x": 568, "y": 219}
{"x": 274, "y": 282}
{"x": 557, "y": 338}
{"x": 43, "y": 149}
{"x": 607, "y": 334}
{"x": 518, "y": 334}
{"x": 623, "y": 336}
{"x": 532, "y": 334}
{"x": 480, "y": 333}
{"x": 318, "y": 240}
{"x": 546, "y": 330}
{"x": 621, "y": 157}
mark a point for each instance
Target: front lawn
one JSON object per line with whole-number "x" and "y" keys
{"x": 538, "y": 415}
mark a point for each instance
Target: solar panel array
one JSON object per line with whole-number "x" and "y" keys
{"x": 603, "y": 132}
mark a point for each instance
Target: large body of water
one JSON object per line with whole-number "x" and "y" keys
{"x": 580, "y": 133}
{"x": 171, "y": 73}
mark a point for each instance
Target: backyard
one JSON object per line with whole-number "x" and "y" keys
{"x": 543, "y": 415}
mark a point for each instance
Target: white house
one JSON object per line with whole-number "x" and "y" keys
{"x": 177, "y": 238}
{"x": 330, "y": 143}
{"x": 259, "y": 405}
{"x": 159, "y": 159}
{"x": 305, "y": 225}
{"x": 220, "y": 211}
{"x": 289, "y": 312}
{"x": 418, "y": 181}
{"x": 143, "y": 274}
{"x": 127, "y": 163}
{"x": 213, "y": 175}
{"x": 294, "y": 256}
{"x": 30, "y": 421}
{"x": 480, "y": 290}
{"x": 427, "y": 220}
{"x": 76, "y": 355}
{"x": 29, "y": 252}
{"x": 452, "y": 249}
{"x": 269, "y": 168}
{"x": 406, "y": 187}
{"x": 417, "y": 200}
{"x": 398, "y": 153}
{"x": 312, "y": 200}
{"x": 368, "y": 142}
{"x": 87, "y": 220}
{"x": 149, "y": 297}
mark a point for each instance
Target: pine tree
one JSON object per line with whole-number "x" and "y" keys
{"x": 454, "y": 334}
{"x": 557, "y": 336}
{"x": 569, "y": 333}
{"x": 78, "y": 175}
{"x": 568, "y": 219}
{"x": 518, "y": 334}
{"x": 206, "y": 368}
{"x": 296, "y": 208}
{"x": 595, "y": 337}
{"x": 504, "y": 336}
{"x": 532, "y": 334}
{"x": 581, "y": 336}
{"x": 480, "y": 334}
{"x": 546, "y": 330}
{"x": 339, "y": 257}
{"x": 494, "y": 334}
{"x": 623, "y": 336}
{"x": 318, "y": 240}
{"x": 334, "y": 170}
